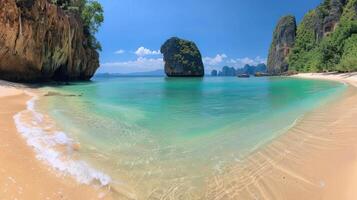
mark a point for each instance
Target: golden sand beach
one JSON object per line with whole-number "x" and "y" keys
{"x": 22, "y": 176}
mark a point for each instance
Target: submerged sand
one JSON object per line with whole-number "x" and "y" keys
{"x": 315, "y": 159}
{"x": 22, "y": 176}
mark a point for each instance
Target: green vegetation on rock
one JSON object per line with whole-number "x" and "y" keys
{"x": 303, "y": 54}
{"x": 92, "y": 16}
{"x": 182, "y": 58}
{"x": 326, "y": 39}
{"x": 348, "y": 60}
{"x": 91, "y": 12}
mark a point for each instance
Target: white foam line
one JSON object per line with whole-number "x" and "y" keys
{"x": 44, "y": 144}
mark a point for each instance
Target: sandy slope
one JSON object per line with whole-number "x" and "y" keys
{"x": 316, "y": 159}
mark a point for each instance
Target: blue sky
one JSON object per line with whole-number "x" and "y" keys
{"x": 227, "y": 32}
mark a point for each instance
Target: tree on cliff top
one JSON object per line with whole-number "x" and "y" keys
{"x": 336, "y": 49}
{"x": 91, "y": 12}
{"x": 92, "y": 16}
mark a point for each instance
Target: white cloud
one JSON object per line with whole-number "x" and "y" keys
{"x": 120, "y": 51}
{"x": 142, "y": 51}
{"x": 218, "y": 59}
{"x": 139, "y": 65}
{"x": 240, "y": 62}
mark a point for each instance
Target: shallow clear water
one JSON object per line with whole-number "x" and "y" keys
{"x": 155, "y": 134}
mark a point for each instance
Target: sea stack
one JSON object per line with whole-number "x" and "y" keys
{"x": 182, "y": 58}
{"x": 39, "y": 41}
{"x": 283, "y": 41}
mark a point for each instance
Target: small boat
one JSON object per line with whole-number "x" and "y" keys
{"x": 243, "y": 75}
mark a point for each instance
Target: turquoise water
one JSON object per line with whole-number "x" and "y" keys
{"x": 152, "y": 134}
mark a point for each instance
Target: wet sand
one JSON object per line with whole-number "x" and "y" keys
{"x": 22, "y": 176}
{"x": 315, "y": 159}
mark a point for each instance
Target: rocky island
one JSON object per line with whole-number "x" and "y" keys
{"x": 43, "y": 40}
{"x": 182, "y": 58}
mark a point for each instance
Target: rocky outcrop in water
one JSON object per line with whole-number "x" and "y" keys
{"x": 283, "y": 41}
{"x": 39, "y": 42}
{"x": 182, "y": 58}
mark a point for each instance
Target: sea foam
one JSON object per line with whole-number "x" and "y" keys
{"x": 46, "y": 143}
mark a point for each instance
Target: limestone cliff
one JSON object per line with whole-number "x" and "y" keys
{"x": 182, "y": 58}
{"x": 39, "y": 42}
{"x": 283, "y": 41}
{"x": 327, "y": 17}
{"x": 325, "y": 40}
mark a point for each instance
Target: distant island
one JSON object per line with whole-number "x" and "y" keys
{"x": 247, "y": 69}
{"x": 154, "y": 73}
{"x": 325, "y": 40}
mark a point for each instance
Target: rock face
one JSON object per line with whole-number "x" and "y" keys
{"x": 283, "y": 41}
{"x": 327, "y": 17}
{"x": 41, "y": 42}
{"x": 182, "y": 58}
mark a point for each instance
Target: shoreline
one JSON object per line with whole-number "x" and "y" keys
{"x": 345, "y": 178}
{"x": 350, "y": 78}
{"x": 22, "y": 174}
{"x": 315, "y": 159}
